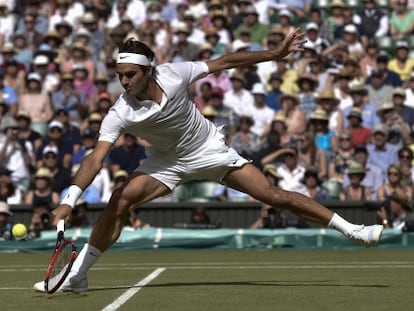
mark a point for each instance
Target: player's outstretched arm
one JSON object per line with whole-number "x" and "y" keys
{"x": 88, "y": 169}
{"x": 291, "y": 43}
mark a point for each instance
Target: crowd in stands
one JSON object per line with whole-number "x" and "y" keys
{"x": 335, "y": 121}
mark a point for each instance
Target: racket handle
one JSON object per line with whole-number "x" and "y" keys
{"x": 61, "y": 226}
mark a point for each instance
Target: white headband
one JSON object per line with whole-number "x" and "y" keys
{"x": 132, "y": 58}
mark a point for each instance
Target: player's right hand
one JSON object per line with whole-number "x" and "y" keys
{"x": 63, "y": 211}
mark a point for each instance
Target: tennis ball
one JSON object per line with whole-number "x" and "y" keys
{"x": 19, "y": 231}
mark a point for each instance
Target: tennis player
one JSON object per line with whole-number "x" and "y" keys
{"x": 157, "y": 107}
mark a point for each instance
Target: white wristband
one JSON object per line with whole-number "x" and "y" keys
{"x": 74, "y": 193}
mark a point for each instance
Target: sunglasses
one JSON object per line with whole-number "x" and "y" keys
{"x": 344, "y": 139}
{"x": 393, "y": 174}
{"x": 50, "y": 156}
{"x": 405, "y": 156}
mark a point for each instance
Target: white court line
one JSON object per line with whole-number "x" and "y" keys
{"x": 132, "y": 291}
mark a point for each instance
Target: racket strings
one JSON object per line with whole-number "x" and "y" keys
{"x": 60, "y": 266}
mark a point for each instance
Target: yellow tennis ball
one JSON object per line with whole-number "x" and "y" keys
{"x": 19, "y": 231}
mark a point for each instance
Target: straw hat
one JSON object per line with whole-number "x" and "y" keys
{"x": 357, "y": 86}
{"x": 384, "y": 107}
{"x": 355, "y": 168}
{"x": 279, "y": 118}
{"x": 209, "y": 111}
{"x": 43, "y": 172}
{"x": 327, "y": 95}
{"x": 5, "y": 209}
{"x": 319, "y": 114}
{"x": 355, "y": 112}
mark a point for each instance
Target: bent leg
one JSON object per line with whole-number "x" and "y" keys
{"x": 250, "y": 180}
{"x": 139, "y": 189}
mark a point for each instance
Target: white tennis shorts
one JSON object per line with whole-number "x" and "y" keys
{"x": 211, "y": 161}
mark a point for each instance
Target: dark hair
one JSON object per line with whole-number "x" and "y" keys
{"x": 134, "y": 46}
{"x": 405, "y": 149}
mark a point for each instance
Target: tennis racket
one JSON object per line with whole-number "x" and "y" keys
{"x": 61, "y": 262}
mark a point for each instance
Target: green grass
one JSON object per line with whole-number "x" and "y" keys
{"x": 225, "y": 280}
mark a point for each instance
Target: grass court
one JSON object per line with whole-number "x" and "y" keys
{"x": 201, "y": 280}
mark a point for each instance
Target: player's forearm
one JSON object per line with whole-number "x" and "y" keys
{"x": 86, "y": 173}
{"x": 242, "y": 59}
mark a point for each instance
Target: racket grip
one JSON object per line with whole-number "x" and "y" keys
{"x": 61, "y": 226}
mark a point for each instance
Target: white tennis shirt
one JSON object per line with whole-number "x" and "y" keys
{"x": 175, "y": 127}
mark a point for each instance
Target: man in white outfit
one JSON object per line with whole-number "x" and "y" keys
{"x": 157, "y": 107}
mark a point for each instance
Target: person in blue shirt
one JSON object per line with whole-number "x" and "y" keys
{"x": 381, "y": 153}
{"x": 273, "y": 96}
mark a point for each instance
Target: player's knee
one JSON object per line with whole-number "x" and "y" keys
{"x": 120, "y": 202}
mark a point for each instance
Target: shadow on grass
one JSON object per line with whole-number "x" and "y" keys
{"x": 279, "y": 283}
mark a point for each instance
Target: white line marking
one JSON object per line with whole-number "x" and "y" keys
{"x": 132, "y": 291}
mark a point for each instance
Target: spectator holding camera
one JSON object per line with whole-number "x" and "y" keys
{"x": 41, "y": 220}
{"x": 13, "y": 155}
{"x": 394, "y": 182}
{"x": 395, "y": 214}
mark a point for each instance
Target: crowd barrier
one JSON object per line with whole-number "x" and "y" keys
{"x": 169, "y": 238}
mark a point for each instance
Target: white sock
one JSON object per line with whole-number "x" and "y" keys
{"x": 86, "y": 258}
{"x": 341, "y": 225}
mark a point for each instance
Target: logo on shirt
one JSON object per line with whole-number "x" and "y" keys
{"x": 122, "y": 57}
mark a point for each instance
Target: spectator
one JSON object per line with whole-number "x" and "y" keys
{"x": 88, "y": 142}
{"x": 69, "y": 99}
{"x": 49, "y": 80}
{"x": 341, "y": 87}
{"x": 119, "y": 178}
{"x": 5, "y": 223}
{"x": 394, "y": 182}
{"x": 82, "y": 85}
{"x": 42, "y": 190}
{"x": 239, "y": 99}
{"x": 204, "y": 98}
{"x": 390, "y": 77}
{"x": 272, "y": 144}
{"x": 71, "y": 132}
{"x": 93, "y": 123}
{"x": 405, "y": 159}
{"x": 60, "y": 174}
{"x": 405, "y": 112}
{"x": 342, "y": 157}
{"x": 250, "y": 21}
{"x": 196, "y": 35}
{"x": 34, "y": 26}
{"x": 360, "y": 134}
{"x": 8, "y": 95}
{"x": 14, "y": 75}
{"x": 373, "y": 179}
{"x": 325, "y": 139}
{"x": 36, "y": 103}
{"x": 351, "y": 39}
{"x": 295, "y": 118}
{"x": 401, "y": 21}
{"x": 90, "y": 22}
{"x": 314, "y": 39}
{"x": 328, "y": 102}
{"x": 312, "y": 156}
{"x": 357, "y": 90}
{"x": 369, "y": 60}
{"x": 372, "y": 21}
{"x": 381, "y": 153}
{"x": 313, "y": 185}
{"x": 213, "y": 38}
{"x": 128, "y": 156}
{"x": 378, "y": 91}
{"x": 272, "y": 99}
{"x": 307, "y": 85}
{"x": 40, "y": 221}
{"x": 56, "y": 138}
{"x": 291, "y": 172}
{"x": 355, "y": 191}
{"x": 13, "y": 155}
{"x": 398, "y": 130}
{"x": 401, "y": 64}
{"x": 262, "y": 115}
{"x": 23, "y": 54}
{"x": 9, "y": 193}
{"x": 79, "y": 217}
{"x": 244, "y": 140}
{"x": 26, "y": 134}
{"x": 395, "y": 214}
{"x": 182, "y": 49}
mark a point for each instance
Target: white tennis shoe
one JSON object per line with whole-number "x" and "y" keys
{"x": 72, "y": 284}
{"x": 367, "y": 236}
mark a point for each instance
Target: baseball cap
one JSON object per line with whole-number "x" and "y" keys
{"x": 351, "y": 28}
{"x": 312, "y": 26}
{"x": 5, "y": 209}
{"x": 50, "y": 149}
{"x": 56, "y": 123}
{"x": 87, "y": 133}
{"x": 258, "y": 88}
{"x": 41, "y": 60}
{"x": 34, "y": 76}
{"x": 380, "y": 128}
